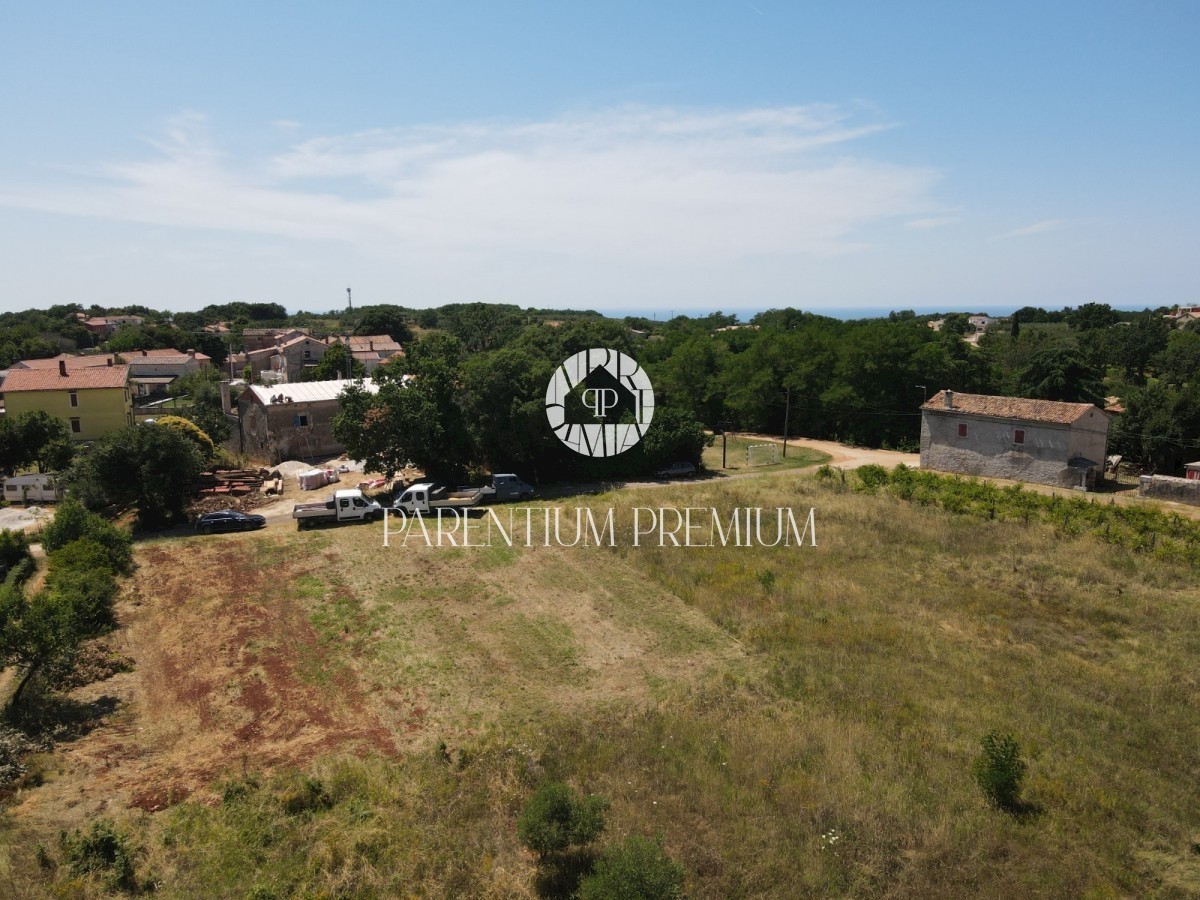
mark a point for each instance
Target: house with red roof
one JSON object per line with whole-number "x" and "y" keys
{"x": 92, "y": 400}
{"x": 1041, "y": 441}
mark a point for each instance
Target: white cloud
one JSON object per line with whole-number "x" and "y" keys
{"x": 664, "y": 189}
{"x": 1035, "y": 228}
{"x": 932, "y": 222}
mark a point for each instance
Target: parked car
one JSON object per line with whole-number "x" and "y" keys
{"x": 228, "y": 520}
{"x": 681, "y": 469}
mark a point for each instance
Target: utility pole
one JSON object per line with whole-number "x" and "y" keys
{"x": 349, "y": 301}
{"x": 787, "y": 411}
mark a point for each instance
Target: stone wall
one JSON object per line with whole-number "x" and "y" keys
{"x": 1166, "y": 487}
{"x": 989, "y": 449}
{"x": 271, "y": 434}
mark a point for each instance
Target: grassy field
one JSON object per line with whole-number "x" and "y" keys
{"x": 735, "y": 456}
{"x": 312, "y": 715}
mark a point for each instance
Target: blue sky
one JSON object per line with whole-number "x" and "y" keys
{"x": 649, "y": 157}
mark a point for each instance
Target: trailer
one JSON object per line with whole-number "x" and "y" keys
{"x": 37, "y": 488}
{"x": 344, "y": 506}
{"x": 427, "y": 497}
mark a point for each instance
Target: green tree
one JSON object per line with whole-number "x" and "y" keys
{"x": 1000, "y": 770}
{"x": 152, "y": 468}
{"x": 556, "y": 818}
{"x": 636, "y": 869}
{"x": 384, "y": 319}
{"x": 481, "y": 326}
{"x": 956, "y": 323}
{"x": 504, "y": 404}
{"x": 74, "y": 522}
{"x": 191, "y": 431}
{"x": 417, "y": 419}
{"x": 674, "y": 434}
{"x": 338, "y": 362}
{"x": 34, "y": 437}
{"x": 1060, "y": 373}
{"x": 1093, "y": 315}
{"x": 1160, "y": 427}
{"x": 1179, "y": 361}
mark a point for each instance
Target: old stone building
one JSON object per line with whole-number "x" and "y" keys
{"x": 291, "y": 421}
{"x": 1043, "y": 441}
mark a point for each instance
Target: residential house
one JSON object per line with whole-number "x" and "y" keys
{"x": 150, "y": 371}
{"x": 264, "y": 338}
{"x": 371, "y": 350}
{"x": 106, "y": 326}
{"x": 291, "y": 421}
{"x": 93, "y": 400}
{"x": 980, "y": 323}
{"x": 1042, "y": 441}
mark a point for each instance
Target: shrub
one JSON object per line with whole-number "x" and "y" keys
{"x": 73, "y": 522}
{"x": 825, "y": 472}
{"x": 556, "y": 817}
{"x": 999, "y": 770}
{"x": 14, "y": 549}
{"x": 191, "y": 431}
{"x": 636, "y": 869}
{"x": 102, "y": 851}
{"x": 872, "y": 476}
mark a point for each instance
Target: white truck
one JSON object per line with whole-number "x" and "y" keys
{"x": 427, "y": 497}
{"x": 507, "y": 487}
{"x": 344, "y": 506}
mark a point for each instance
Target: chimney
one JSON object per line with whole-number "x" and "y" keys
{"x": 108, "y": 361}
{"x": 144, "y": 353}
{"x": 62, "y": 368}
{"x": 371, "y": 346}
{"x": 948, "y": 399}
{"x": 192, "y": 353}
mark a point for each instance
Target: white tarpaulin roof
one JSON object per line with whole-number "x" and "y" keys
{"x": 306, "y": 391}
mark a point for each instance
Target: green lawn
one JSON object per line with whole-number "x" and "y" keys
{"x": 735, "y": 456}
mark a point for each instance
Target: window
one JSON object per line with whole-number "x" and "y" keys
{"x": 962, "y": 429}
{"x": 307, "y": 352}
{"x": 74, "y": 398}
{"x": 75, "y": 427}
{"x": 301, "y": 421}
{"x": 1019, "y": 436}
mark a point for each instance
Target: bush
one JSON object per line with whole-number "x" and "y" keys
{"x": 872, "y": 476}
{"x": 636, "y": 869}
{"x": 191, "y": 431}
{"x": 14, "y": 549}
{"x": 102, "y": 851}
{"x": 73, "y": 522}
{"x": 999, "y": 770}
{"x": 556, "y": 817}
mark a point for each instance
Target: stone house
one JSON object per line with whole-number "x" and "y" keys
{"x": 1042, "y": 441}
{"x": 291, "y": 421}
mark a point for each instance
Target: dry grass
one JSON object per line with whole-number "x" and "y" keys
{"x": 793, "y": 720}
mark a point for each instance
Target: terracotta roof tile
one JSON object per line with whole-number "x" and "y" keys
{"x": 1051, "y": 411}
{"x": 77, "y": 379}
